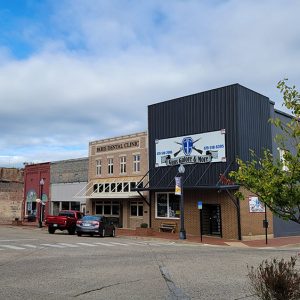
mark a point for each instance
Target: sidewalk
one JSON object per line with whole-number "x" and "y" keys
{"x": 291, "y": 241}
{"x": 208, "y": 240}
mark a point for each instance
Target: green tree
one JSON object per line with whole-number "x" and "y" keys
{"x": 277, "y": 181}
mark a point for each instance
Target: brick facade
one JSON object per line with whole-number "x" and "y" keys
{"x": 33, "y": 173}
{"x": 11, "y": 200}
{"x": 115, "y": 148}
{"x": 251, "y": 223}
{"x": 69, "y": 171}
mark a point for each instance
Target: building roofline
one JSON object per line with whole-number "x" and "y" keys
{"x": 214, "y": 89}
{"x": 117, "y": 138}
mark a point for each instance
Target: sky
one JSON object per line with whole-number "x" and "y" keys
{"x": 75, "y": 71}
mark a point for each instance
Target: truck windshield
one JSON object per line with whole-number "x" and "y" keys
{"x": 66, "y": 214}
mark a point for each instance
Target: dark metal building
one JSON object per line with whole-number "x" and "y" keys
{"x": 243, "y": 115}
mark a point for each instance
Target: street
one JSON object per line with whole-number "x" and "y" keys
{"x": 37, "y": 265}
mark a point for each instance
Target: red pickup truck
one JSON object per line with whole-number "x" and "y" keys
{"x": 66, "y": 220}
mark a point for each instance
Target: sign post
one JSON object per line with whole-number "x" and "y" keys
{"x": 200, "y": 209}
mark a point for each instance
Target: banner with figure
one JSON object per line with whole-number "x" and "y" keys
{"x": 177, "y": 185}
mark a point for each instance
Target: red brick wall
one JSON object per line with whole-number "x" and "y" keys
{"x": 32, "y": 176}
{"x": 251, "y": 223}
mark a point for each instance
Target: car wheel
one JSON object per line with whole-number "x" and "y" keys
{"x": 51, "y": 230}
{"x": 78, "y": 233}
{"x": 113, "y": 233}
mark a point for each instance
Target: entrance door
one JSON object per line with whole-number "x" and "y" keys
{"x": 211, "y": 220}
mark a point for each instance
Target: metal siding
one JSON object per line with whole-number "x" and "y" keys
{"x": 67, "y": 191}
{"x": 254, "y": 129}
{"x": 198, "y": 113}
{"x": 282, "y": 227}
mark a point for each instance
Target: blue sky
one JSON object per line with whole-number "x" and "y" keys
{"x": 74, "y": 71}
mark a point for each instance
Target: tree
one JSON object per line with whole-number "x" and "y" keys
{"x": 276, "y": 181}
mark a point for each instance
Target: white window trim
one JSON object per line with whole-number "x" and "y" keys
{"x": 137, "y": 204}
{"x": 281, "y": 157}
{"x": 168, "y": 193}
{"x": 136, "y": 162}
{"x": 123, "y": 164}
{"x": 98, "y": 166}
{"x": 110, "y": 165}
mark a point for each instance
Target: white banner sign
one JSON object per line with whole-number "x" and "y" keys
{"x": 191, "y": 149}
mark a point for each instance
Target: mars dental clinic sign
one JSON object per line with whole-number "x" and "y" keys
{"x": 197, "y": 148}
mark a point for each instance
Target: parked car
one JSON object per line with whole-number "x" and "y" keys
{"x": 66, "y": 220}
{"x": 95, "y": 225}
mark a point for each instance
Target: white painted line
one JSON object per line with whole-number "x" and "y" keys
{"x": 53, "y": 245}
{"x": 18, "y": 240}
{"x": 30, "y": 246}
{"x": 69, "y": 245}
{"x": 12, "y": 247}
{"x": 138, "y": 244}
{"x": 120, "y": 244}
{"x": 103, "y": 244}
{"x": 86, "y": 244}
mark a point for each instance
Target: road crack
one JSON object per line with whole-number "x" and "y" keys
{"x": 104, "y": 287}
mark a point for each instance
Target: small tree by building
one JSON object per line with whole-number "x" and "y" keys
{"x": 276, "y": 181}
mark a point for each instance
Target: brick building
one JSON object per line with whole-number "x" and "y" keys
{"x": 205, "y": 133}
{"x": 11, "y": 194}
{"x": 68, "y": 179}
{"x": 115, "y": 167}
{"x": 36, "y": 186}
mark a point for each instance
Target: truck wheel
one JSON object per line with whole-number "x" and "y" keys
{"x": 51, "y": 230}
{"x": 71, "y": 231}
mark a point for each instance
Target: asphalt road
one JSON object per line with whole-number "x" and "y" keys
{"x": 37, "y": 265}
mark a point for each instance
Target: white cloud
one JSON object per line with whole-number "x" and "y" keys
{"x": 104, "y": 62}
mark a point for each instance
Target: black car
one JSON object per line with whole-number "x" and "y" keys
{"x": 95, "y": 225}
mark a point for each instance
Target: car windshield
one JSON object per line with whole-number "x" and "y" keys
{"x": 91, "y": 218}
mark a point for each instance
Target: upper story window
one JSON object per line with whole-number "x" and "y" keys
{"x": 123, "y": 164}
{"x": 136, "y": 163}
{"x": 282, "y": 152}
{"x": 110, "y": 165}
{"x": 98, "y": 167}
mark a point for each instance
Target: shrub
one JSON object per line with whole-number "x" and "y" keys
{"x": 144, "y": 225}
{"x": 275, "y": 280}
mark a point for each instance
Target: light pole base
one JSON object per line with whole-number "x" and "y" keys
{"x": 182, "y": 235}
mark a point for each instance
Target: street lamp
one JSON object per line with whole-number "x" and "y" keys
{"x": 182, "y": 233}
{"x": 42, "y": 182}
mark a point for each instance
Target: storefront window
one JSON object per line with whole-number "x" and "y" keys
{"x": 162, "y": 205}
{"x": 174, "y": 207}
{"x": 65, "y": 206}
{"x": 108, "y": 208}
{"x": 75, "y": 205}
{"x": 136, "y": 208}
{"x": 167, "y": 205}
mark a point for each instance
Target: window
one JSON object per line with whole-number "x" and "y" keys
{"x": 108, "y": 208}
{"x": 136, "y": 208}
{"x": 110, "y": 166}
{"x": 125, "y": 187}
{"x": 98, "y": 167}
{"x": 123, "y": 164}
{"x": 282, "y": 153}
{"x": 167, "y": 205}
{"x": 136, "y": 163}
